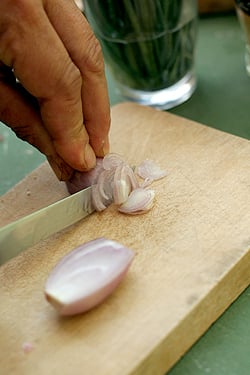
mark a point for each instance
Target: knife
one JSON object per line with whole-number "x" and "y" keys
{"x": 29, "y": 230}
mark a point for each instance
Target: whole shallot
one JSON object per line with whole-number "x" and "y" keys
{"x": 87, "y": 275}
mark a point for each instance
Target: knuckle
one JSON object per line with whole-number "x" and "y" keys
{"x": 64, "y": 84}
{"x": 93, "y": 54}
{"x": 11, "y": 29}
{"x": 73, "y": 75}
{"x": 71, "y": 81}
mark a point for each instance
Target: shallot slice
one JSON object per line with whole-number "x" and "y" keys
{"x": 114, "y": 181}
{"x": 122, "y": 186}
{"x": 150, "y": 171}
{"x": 105, "y": 184}
{"x": 98, "y": 201}
{"x": 87, "y": 275}
{"x": 112, "y": 160}
{"x": 139, "y": 201}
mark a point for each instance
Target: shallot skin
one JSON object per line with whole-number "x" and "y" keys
{"x": 87, "y": 275}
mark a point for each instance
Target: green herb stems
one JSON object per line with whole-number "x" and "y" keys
{"x": 148, "y": 44}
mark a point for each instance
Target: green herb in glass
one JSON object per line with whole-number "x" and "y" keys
{"x": 148, "y": 44}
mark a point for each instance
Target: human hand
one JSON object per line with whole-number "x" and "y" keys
{"x": 53, "y": 90}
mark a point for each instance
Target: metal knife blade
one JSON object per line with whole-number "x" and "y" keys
{"x": 29, "y": 230}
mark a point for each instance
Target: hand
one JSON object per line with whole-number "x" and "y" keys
{"x": 53, "y": 90}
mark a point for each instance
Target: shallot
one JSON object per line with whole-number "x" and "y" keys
{"x": 115, "y": 181}
{"x": 139, "y": 201}
{"x": 87, "y": 275}
{"x": 149, "y": 170}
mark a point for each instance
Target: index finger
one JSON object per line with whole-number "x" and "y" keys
{"x": 85, "y": 51}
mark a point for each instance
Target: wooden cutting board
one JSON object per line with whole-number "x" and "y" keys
{"x": 192, "y": 256}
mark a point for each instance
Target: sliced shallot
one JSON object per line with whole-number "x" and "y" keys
{"x": 87, "y": 275}
{"x": 139, "y": 201}
{"x": 112, "y": 160}
{"x": 123, "y": 183}
{"x": 150, "y": 171}
{"x": 99, "y": 202}
{"x": 113, "y": 181}
{"x": 105, "y": 184}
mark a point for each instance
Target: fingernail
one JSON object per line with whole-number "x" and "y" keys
{"x": 89, "y": 160}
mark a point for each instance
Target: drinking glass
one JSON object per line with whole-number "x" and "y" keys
{"x": 243, "y": 12}
{"x": 148, "y": 46}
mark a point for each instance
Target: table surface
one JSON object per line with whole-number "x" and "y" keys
{"x": 220, "y": 101}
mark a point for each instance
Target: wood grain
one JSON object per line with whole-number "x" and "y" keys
{"x": 192, "y": 256}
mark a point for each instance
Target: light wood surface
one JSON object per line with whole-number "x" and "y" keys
{"x": 192, "y": 256}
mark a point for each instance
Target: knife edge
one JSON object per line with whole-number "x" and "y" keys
{"x": 29, "y": 230}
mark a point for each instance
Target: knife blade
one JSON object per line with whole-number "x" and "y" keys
{"x": 29, "y": 230}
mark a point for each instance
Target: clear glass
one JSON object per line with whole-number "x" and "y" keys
{"x": 149, "y": 47}
{"x": 243, "y": 12}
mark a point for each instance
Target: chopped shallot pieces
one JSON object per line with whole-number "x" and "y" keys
{"x": 98, "y": 201}
{"x": 87, "y": 275}
{"x": 122, "y": 186}
{"x": 112, "y": 160}
{"x": 139, "y": 201}
{"x": 105, "y": 182}
{"x": 114, "y": 181}
{"x": 124, "y": 182}
{"x": 150, "y": 171}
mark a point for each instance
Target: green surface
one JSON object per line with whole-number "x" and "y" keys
{"x": 17, "y": 159}
{"x": 222, "y": 100}
{"x": 225, "y": 348}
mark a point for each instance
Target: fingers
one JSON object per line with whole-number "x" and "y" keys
{"x": 86, "y": 53}
{"x": 17, "y": 112}
{"x": 51, "y": 69}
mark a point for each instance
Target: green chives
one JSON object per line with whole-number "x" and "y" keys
{"x": 147, "y": 44}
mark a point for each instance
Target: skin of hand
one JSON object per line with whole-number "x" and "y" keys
{"x": 53, "y": 90}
